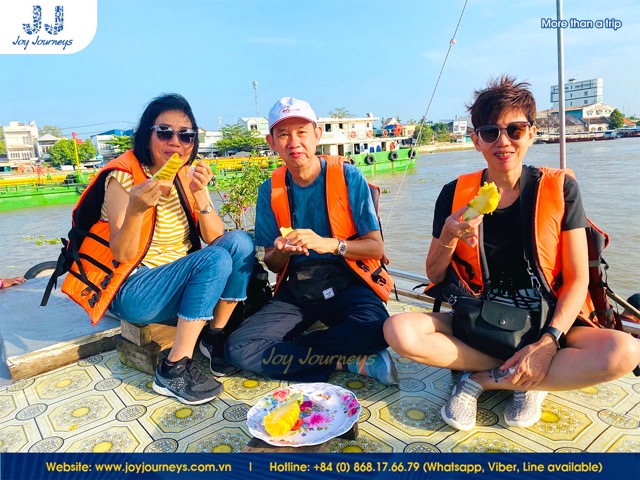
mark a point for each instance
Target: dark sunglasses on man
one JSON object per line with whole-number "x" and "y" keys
{"x": 491, "y": 133}
{"x": 165, "y": 133}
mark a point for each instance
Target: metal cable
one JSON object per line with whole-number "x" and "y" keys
{"x": 452, "y": 42}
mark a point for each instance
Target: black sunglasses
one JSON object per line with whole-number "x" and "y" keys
{"x": 165, "y": 133}
{"x": 491, "y": 133}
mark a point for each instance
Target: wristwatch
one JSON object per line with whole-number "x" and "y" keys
{"x": 557, "y": 335}
{"x": 207, "y": 209}
{"x": 342, "y": 248}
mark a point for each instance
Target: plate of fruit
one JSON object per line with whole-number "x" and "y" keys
{"x": 303, "y": 414}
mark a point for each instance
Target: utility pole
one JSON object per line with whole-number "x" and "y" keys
{"x": 255, "y": 95}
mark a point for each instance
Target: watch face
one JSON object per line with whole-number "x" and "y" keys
{"x": 342, "y": 247}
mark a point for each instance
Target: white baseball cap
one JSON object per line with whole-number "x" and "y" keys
{"x": 289, "y": 107}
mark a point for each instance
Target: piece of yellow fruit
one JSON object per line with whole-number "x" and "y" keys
{"x": 486, "y": 201}
{"x": 283, "y": 418}
{"x": 284, "y": 231}
{"x": 169, "y": 169}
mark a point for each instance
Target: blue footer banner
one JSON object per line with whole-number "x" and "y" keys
{"x": 133, "y": 466}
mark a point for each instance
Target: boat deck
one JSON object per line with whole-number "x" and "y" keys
{"x": 98, "y": 404}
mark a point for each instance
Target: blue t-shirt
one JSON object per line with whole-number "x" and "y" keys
{"x": 311, "y": 208}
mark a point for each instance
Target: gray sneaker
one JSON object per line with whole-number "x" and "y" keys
{"x": 378, "y": 365}
{"x": 524, "y": 408}
{"x": 460, "y": 411}
{"x": 185, "y": 382}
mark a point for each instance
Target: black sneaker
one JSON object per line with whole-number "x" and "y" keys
{"x": 212, "y": 347}
{"x": 186, "y": 383}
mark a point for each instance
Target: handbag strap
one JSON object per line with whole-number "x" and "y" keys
{"x": 528, "y": 195}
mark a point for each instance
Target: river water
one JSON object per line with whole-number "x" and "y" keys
{"x": 608, "y": 174}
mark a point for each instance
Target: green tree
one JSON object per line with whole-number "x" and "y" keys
{"x": 616, "y": 120}
{"x": 3, "y": 146}
{"x": 441, "y": 131}
{"x": 51, "y": 130}
{"x": 426, "y": 134}
{"x": 62, "y": 153}
{"x": 340, "y": 112}
{"x": 236, "y": 137}
{"x": 121, "y": 143}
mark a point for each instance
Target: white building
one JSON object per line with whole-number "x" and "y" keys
{"x": 578, "y": 93}
{"x": 45, "y": 143}
{"x": 588, "y": 118}
{"x": 104, "y": 150}
{"x": 597, "y": 110}
{"x": 207, "y": 143}
{"x": 21, "y": 141}
{"x": 458, "y": 127}
{"x": 337, "y": 130}
{"x": 256, "y": 124}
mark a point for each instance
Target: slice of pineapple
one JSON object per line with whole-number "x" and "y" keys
{"x": 169, "y": 169}
{"x": 486, "y": 201}
{"x": 283, "y": 418}
{"x": 284, "y": 231}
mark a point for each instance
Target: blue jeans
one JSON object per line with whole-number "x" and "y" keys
{"x": 189, "y": 287}
{"x": 271, "y": 342}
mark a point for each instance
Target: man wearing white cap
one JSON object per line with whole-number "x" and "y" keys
{"x": 321, "y": 233}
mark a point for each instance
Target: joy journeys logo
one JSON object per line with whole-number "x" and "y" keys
{"x": 47, "y": 26}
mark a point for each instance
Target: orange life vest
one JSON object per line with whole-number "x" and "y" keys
{"x": 548, "y": 212}
{"x": 94, "y": 275}
{"x": 341, "y": 222}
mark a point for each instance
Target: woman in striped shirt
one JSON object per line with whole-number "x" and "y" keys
{"x": 175, "y": 277}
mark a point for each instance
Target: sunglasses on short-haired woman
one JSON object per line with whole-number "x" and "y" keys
{"x": 491, "y": 133}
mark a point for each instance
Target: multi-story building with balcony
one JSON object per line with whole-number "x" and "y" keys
{"x": 21, "y": 141}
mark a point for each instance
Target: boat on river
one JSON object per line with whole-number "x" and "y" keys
{"x": 371, "y": 150}
{"x": 17, "y": 192}
{"x": 581, "y": 137}
{"x": 25, "y": 192}
{"x": 224, "y": 166}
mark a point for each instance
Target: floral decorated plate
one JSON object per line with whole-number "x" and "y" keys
{"x": 326, "y": 411}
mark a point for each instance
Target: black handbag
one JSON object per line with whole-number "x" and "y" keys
{"x": 317, "y": 281}
{"x": 494, "y": 328}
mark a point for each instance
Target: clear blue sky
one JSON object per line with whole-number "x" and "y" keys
{"x": 365, "y": 55}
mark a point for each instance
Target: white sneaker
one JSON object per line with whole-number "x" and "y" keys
{"x": 460, "y": 411}
{"x": 524, "y": 408}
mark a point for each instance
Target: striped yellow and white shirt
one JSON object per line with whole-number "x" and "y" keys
{"x": 171, "y": 236}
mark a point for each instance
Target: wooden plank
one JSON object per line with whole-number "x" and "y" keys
{"x": 256, "y": 445}
{"x": 141, "y": 357}
{"x": 61, "y": 354}
{"x": 163, "y": 335}
{"x": 137, "y": 334}
{"x": 145, "y": 357}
